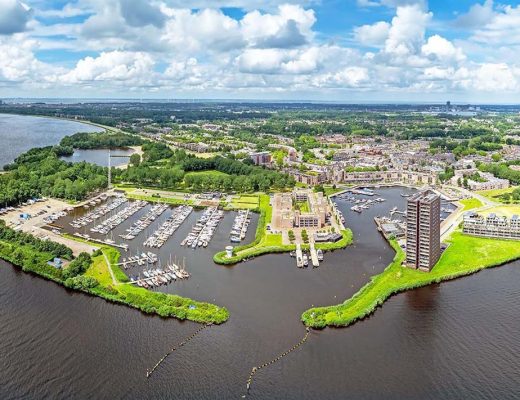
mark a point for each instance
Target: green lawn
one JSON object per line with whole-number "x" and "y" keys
{"x": 167, "y": 200}
{"x": 465, "y": 255}
{"x": 209, "y": 172}
{"x": 497, "y": 194}
{"x": 471, "y": 203}
{"x": 245, "y": 201}
{"x": 303, "y": 206}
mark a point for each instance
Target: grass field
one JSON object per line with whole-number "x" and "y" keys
{"x": 245, "y": 201}
{"x": 206, "y": 173}
{"x": 162, "y": 199}
{"x": 471, "y": 203}
{"x": 303, "y": 206}
{"x": 464, "y": 256}
{"x": 496, "y": 195}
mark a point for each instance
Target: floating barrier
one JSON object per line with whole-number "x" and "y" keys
{"x": 149, "y": 372}
{"x": 254, "y": 370}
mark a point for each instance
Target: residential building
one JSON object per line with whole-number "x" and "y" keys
{"x": 393, "y": 176}
{"x": 262, "y": 158}
{"x": 423, "y": 230}
{"x": 492, "y": 226}
{"x": 311, "y": 178}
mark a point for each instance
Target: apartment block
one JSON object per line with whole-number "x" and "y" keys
{"x": 492, "y": 226}
{"x": 423, "y": 230}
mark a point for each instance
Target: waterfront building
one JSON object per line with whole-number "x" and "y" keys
{"x": 492, "y": 226}
{"x": 393, "y": 176}
{"x": 285, "y": 217}
{"x": 423, "y": 230}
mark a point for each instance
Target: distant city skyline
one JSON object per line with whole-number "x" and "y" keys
{"x": 351, "y": 51}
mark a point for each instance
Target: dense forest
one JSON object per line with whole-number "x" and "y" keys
{"x": 100, "y": 140}
{"x": 40, "y": 172}
{"x": 174, "y": 172}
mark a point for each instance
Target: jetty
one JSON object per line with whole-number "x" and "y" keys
{"x": 141, "y": 259}
{"x": 145, "y": 221}
{"x": 204, "y": 229}
{"x": 108, "y": 242}
{"x": 299, "y": 256}
{"x": 314, "y": 255}
{"x": 117, "y": 219}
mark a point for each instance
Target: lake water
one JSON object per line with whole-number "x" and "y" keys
{"x": 100, "y": 156}
{"x": 21, "y": 133}
{"x": 456, "y": 340}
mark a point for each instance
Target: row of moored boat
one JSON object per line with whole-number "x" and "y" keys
{"x": 117, "y": 219}
{"x": 204, "y": 229}
{"x": 97, "y": 213}
{"x": 157, "y": 276}
{"x": 144, "y": 222}
{"x": 168, "y": 227}
{"x": 240, "y": 225}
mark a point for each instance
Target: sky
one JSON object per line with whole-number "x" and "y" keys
{"x": 323, "y": 50}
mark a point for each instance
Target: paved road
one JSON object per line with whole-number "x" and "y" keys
{"x": 455, "y": 218}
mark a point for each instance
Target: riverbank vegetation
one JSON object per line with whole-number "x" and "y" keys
{"x": 464, "y": 256}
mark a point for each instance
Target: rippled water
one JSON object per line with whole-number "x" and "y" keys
{"x": 21, "y": 133}
{"x": 457, "y": 340}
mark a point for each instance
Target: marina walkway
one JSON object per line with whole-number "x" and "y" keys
{"x": 314, "y": 255}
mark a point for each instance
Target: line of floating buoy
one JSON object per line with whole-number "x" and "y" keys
{"x": 256, "y": 369}
{"x": 149, "y": 372}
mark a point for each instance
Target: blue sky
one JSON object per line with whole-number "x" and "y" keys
{"x": 340, "y": 50}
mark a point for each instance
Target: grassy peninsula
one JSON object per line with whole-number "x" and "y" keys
{"x": 465, "y": 255}
{"x": 91, "y": 274}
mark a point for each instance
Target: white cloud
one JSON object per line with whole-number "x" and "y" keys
{"x": 14, "y": 16}
{"x": 113, "y": 67}
{"x": 290, "y": 27}
{"x": 392, "y": 3}
{"x": 406, "y": 34}
{"x": 206, "y": 30}
{"x": 372, "y": 35}
{"x": 442, "y": 49}
{"x": 477, "y": 16}
{"x": 503, "y": 28}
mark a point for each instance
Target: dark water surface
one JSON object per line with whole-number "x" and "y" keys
{"x": 457, "y": 340}
{"x": 19, "y": 133}
{"x": 100, "y": 156}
